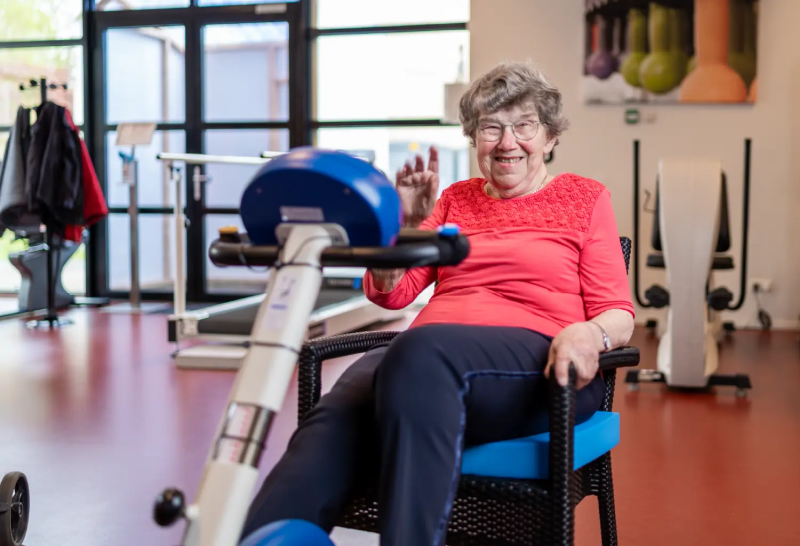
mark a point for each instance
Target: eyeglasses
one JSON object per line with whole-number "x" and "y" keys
{"x": 523, "y": 130}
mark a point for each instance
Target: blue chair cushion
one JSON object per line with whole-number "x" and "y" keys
{"x": 528, "y": 458}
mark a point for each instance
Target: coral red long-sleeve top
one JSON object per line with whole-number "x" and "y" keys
{"x": 541, "y": 261}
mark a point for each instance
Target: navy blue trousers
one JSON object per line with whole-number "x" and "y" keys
{"x": 402, "y": 414}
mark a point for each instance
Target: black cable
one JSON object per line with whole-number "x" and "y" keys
{"x": 763, "y": 317}
{"x": 290, "y": 262}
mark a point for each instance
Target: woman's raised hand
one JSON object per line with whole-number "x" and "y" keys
{"x": 418, "y": 188}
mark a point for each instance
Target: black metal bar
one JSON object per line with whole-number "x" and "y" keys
{"x": 109, "y": 127}
{"x": 381, "y": 123}
{"x": 636, "y": 225}
{"x": 221, "y": 210}
{"x": 98, "y": 241}
{"x": 41, "y": 43}
{"x": 142, "y": 210}
{"x": 93, "y": 253}
{"x": 392, "y": 29}
{"x": 300, "y": 76}
{"x": 181, "y": 16}
{"x": 195, "y": 232}
{"x": 745, "y": 227}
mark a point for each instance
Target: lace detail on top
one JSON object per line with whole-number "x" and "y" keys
{"x": 567, "y": 202}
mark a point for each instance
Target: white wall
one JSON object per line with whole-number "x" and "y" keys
{"x": 599, "y": 144}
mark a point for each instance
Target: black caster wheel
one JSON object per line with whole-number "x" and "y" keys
{"x": 15, "y": 505}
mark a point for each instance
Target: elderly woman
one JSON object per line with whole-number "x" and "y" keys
{"x": 544, "y": 285}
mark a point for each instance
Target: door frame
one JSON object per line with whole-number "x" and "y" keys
{"x": 193, "y": 18}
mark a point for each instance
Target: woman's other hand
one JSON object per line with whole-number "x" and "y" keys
{"x": 579, "y": 343}
{"x": 418, "y": 188}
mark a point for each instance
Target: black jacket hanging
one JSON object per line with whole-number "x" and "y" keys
{"x": 14, "y": 210}
{"x": 53, "y": 177}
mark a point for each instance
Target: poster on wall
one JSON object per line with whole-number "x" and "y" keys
{"x": 670, "y": 51}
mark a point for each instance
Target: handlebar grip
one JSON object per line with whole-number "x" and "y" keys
{"x": 414, "y": 248}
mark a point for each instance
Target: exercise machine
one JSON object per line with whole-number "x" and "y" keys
{"x": 224, "y": 329}
{"x": 32, "y": 266}
{"x": 303, "y": 211}
{"x": 15, "y": 504}
{"x": 691, "y": 229}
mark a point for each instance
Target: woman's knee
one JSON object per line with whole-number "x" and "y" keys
{"x": 415, "y": 357}
{"x": 415, "y": 374}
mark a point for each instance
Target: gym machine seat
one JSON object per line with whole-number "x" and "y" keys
{"x": 32, "y": 266}
{"x": 521, "y": 491}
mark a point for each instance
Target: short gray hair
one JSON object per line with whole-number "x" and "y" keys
{"x": 508, "y": 85}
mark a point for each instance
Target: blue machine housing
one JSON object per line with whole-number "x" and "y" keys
{"x": 310, "y": 185}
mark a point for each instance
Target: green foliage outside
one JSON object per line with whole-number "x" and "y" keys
{"x": 40, "y": 19}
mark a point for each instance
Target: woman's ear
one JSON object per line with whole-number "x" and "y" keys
{"x": 550, "y": 145}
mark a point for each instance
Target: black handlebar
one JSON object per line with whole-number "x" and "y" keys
{"x": 414, "y": 248}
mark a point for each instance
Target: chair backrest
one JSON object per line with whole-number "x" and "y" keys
{"x": 724, "y": 235}
{"x": 626, "y": 251}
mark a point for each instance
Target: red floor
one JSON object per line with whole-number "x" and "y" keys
{"x": 100, "y": 421}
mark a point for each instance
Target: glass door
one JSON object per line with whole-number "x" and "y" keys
{"x": 217, "y": 80}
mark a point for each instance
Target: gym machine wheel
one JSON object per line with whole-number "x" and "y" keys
{"x": 15, "y": 504}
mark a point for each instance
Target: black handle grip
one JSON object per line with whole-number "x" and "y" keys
{"x": 414, "y": 248}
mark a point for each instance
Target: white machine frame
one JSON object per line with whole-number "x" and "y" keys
{"x": 227, "y": 351}
{"x": 688, "y": 350}
{"x": 217, "y": 516}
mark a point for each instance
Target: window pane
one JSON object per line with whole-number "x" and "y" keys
{"x": 228, "y": 182}
{"x": 405, "y": 78}
{"x": 116, "y": 5}
{"x": 156, "y": 252}
{"x": 73, "y": 274}
{"x": 40, "y": 20}
{"x": 393, "y": 146}
{"x": 61, "y": 65}
{"x": 154, "y": 187}
{"x": 246, "y": 72}
{"x": 145, "y": 74}
{"x": 367, "y": 13}
{"x": 235, "y": 280}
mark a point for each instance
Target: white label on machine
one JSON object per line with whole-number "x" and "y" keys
{"x": 240, "y": 421}
{"x": 279, "y": 300}
{"x": 302, "y": 214}
{"x": 231, "y": 450}
{"x": 128, "y": 173}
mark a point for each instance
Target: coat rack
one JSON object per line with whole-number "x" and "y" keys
{"x": 51, "y": 319}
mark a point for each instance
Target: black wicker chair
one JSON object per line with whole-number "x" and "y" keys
{"x": 498, "y": 511}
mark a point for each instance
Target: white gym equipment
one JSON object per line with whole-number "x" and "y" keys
{"x": 307, "y": 210}
{"x": 224, "y": 329}
{"x": 691, "y": 205}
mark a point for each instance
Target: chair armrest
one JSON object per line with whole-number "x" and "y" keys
{"x": 561, "y": 405}
{"x": 561, "y": 416}
{"x": 315, "y": 352}
{"x": 622, "y": 357}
